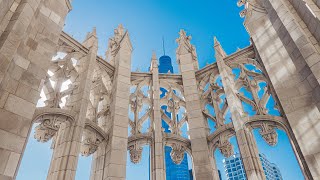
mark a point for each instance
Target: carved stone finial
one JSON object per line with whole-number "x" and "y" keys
{"x": 135, "y": 154}
{"x": 183, "y": 41}
{"x": 119, "y": 32}
{"x": 185, "y": 47}
{"x": 94, "y": 31}
{"x": 241, "y": 2}
{"x": 269, "y": 134}
{"x": 215, "y": 40}
{"x": 250, "y": 5}
{"x": 114, "y": 43}
{"x": 177, "y": 153}
{"x": 154, "y": 61}
{"x": 243, "y": 13}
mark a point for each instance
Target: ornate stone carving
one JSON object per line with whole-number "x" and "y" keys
{"x": 177, "y": 153}
{"x": 225, "y": 147}
{"x": 90, "y": 143}
{"x": 173, "y": 103}
{"x": 114, "y": 42}
{"x": 46, "y": 129}
{"x": 135, "y": 153}
{"x": 269, "y": 134}
{"x": 250, "y": 5}
{"x": 186, "y": 47}
{"x": 140, "y": 103}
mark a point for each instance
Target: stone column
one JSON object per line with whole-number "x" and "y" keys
{"x": 67, "y": 146}
{"x": 116, "y": 150}
{"x": 157, "y": 152}
{"x": 292, "y": 64}
{"x": 26, "y": 48}
{"x": 307, "y": 12}
{"x": 214, "y": 167}
{"x": 298, "y": 38}
{"x": 248, "y": 150}
{"x": 187, "y": 59}
{"x": 8, "y": 7}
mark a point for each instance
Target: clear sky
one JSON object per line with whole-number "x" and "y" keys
{"x": 148, "y": 21}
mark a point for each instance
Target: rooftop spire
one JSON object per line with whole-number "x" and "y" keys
{"x": 154, "y": 61}
{"x": 215, "y": 40}
{"x": 218, "y": 48}
{"x": 164, "y": 50}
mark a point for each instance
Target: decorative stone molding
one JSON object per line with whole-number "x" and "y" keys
{"x": 114, "y": 43}
{"x": 46, "y": 130}
{"x": 269, "y": 134}
{"x": 225, "y": 147}
{"x": 135, "y": 153}
{"x": 89, "y": 146}
{"x": 50, "y": 120}
{"x": 177, "y": 153}
{"x": 250, "y": 7}
{"x": 91, "y": 140}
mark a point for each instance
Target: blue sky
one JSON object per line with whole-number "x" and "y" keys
{"x": 148, "y": 21}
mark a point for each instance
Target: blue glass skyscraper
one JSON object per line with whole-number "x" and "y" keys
{"x": 165, "y": 64}
{"x": 173, "y": 171}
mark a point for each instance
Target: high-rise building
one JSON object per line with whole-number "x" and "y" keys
{"x": 191, "y": 174}
{"x": 271, "y": 170}
{"x": 165, "y": 65}
{"x": 220, "y": 178}
{"x": 173, "y": 171}
{"x": 234, "y": 169}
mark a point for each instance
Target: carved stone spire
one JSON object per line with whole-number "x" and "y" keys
{"x": 186, "y": 48}
{"x": 114, "y": 43}
{"x": 218, "y": 48}
{"x": 91, "y": 39}
{"x": 154, "y": 61}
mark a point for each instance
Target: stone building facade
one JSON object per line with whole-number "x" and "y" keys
{"x": 285, "y": 36}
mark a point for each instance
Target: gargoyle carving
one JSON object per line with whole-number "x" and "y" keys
{"x": 90, "y": 143}
{"x": 225, "y": 147}
{"x": 269, "y": 134}
{"x": 177, "y": 153}
{"x": 135, "y": 153}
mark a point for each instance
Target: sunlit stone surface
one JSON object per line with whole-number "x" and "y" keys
{"x": 88, "y": 99}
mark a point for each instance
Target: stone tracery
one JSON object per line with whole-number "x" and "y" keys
{"x": 88, "y": 98}
{"x": 211, "y": 92}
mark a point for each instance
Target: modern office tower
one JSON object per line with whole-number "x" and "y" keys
{"x": 271, "y": 170}
{"x": 165, "y": 65}
{"x": 219, "y": 172}
{"x": 173, "y": 171}
{"x": 234, "y": 169}
{"x": 191, "y": 174}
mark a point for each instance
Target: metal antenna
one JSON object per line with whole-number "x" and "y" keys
{"x": 164, "y": 50}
